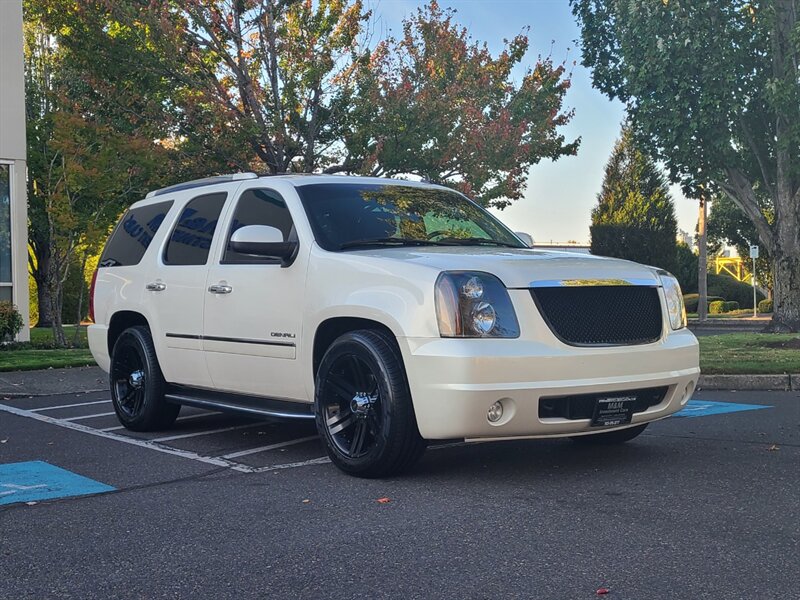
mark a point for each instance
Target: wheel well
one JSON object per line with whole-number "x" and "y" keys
{"x": 120, "y": 322}
{"x": 331, "y": 329}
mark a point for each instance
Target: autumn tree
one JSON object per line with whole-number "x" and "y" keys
{"x": 440, "y": 106}
{"x": 295, "y": 86}
{"x": 635, "y": 217}
{"x": 81, "y": 172}
{"x": 714, "y": 91}
{"x": 266, "y": 76}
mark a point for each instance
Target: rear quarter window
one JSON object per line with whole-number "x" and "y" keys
{"x": 132, "y": 235}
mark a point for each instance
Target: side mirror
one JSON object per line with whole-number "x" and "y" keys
{"x": 263, "y": 240}
{"x": 525, "y": 237}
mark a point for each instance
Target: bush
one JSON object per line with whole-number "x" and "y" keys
{"x": 692, "y": 300}
{"x": 765, "y": 306}
{"x": 10, "y": 322}
{"x": 731, "y": 289}
{"x": 730, "y": 306}
{"x": 717, "y": 307}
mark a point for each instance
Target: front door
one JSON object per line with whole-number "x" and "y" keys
{"x": 252, "y": 322}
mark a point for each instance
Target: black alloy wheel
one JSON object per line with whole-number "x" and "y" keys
{"x": 353, "y": 413}
{"x": 137, "y": 384}
{"x": 363, "y": 406}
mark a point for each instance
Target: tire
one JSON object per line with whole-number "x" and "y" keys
{"x": 363, "y": 406}
{"x": 137, "y": 384}
{"x": 612, "y": 437}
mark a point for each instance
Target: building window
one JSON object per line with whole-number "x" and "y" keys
{"x": 5, "y": 232}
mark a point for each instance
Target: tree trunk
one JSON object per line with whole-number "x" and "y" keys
{"x": 44, "y": 303}
{"x": 39, "y": 273}
{"x": 55, "y": 287}
{"x": 79, "y": 316}
{"x": 786, "y": 256}
{"x": 702, "y": 262}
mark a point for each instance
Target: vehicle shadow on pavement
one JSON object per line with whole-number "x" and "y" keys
{"x": 539, "y": 459}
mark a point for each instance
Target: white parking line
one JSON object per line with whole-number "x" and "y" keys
{"x": 270, "y": 447}
{"x": 218, "y": 462}
{"x": 82, "y": 417}
{"x": 186, "y": 418}
{"x": 68, "y": 405}
{"x": 322, "y": 460}
{"x": 169, "y": 438}
{"x": 209, "y": 460}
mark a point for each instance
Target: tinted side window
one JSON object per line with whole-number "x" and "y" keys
{"x": 258, "y": 207}
{"x": 191, "y": 238}
{"x": 133, "y": 235}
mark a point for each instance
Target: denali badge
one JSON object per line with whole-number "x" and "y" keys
{"x": 282, "y": 334}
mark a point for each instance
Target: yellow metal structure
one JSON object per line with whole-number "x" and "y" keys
{"x": 733, "y": 266}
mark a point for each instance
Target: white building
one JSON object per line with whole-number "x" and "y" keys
{"x": 13, "y": 204}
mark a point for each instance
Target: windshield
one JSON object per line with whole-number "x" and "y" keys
{"x": 358, "y": 215}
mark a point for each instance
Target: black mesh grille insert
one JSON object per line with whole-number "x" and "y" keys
{"x": 581, "y": 406}
{"x": 601, "y": 315}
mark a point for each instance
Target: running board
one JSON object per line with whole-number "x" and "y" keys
{"x": 254, "y": 406}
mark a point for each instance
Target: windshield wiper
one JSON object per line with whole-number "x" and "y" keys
{"x": 477, "y": 241}
{"x": 393, "y": 241}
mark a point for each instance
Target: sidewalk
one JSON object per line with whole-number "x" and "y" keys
{"x": 52, "y": 381}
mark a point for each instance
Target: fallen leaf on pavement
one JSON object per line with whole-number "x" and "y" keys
{"x": 383, "y": 500}
{"x": 773, "y": 448}
{"x": 3, "y": 441}
{"x": 603, "y": 591}
{"x": 306, "y": 501}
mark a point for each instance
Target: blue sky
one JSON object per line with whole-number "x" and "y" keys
{"x": 560, "y": 194}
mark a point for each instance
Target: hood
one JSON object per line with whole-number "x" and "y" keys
{"x": 516, "y": 267}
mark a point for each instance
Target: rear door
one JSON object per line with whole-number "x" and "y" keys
{"x": 252, "y": 323}
{"x": 176, "y": 290}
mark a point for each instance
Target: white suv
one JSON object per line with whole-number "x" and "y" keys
{"x": 392, "y": 312}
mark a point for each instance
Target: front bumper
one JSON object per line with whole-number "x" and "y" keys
{"x": 454, "y": 382}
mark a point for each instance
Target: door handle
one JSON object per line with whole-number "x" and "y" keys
{"x": 156, "y": 286}
{"x": 220, "y": 288}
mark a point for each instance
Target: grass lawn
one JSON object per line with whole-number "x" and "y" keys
{"x": 750, "y": 353}
{"x": 41, "y": 336}
{"x": 28, "y": 359}
{"x": 39, "y": 353}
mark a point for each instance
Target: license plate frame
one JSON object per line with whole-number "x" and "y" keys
{"x": 613, "y": 411}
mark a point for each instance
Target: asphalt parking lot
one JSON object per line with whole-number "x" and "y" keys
{"x": 700, "y": 506}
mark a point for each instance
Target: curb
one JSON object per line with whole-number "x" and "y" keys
{"x": 783, "y": 383}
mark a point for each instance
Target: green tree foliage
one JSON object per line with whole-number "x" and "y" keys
{"x": 634, "y": 217}
{"x": 714, "y": 92}
{"x": 686, "y": 262}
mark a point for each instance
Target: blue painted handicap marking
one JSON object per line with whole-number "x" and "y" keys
{"x": 702, "y": 408}
{"x": 37, "y": 480}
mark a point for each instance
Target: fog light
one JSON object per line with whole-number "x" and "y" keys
{"x": 495, "y": 412}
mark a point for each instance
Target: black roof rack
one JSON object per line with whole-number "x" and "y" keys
{"x": 196, "y": 183}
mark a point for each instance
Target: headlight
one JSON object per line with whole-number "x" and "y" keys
{"x": 675, "y": 306}
{"x": 474, "y": 304}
